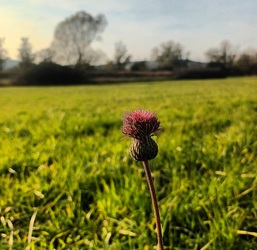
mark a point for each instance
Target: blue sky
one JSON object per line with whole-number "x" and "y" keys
{"x": 141, "y": 24}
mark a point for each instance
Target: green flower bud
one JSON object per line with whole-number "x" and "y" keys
{"x": 143, "y": 150}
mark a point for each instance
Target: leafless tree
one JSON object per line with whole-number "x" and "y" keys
{"x": 224, "y": 55}
{"x": 247, "y": 62}
{"x": 169, "y": 55}
{"x": 45, "y": 55}
{"x": 3, "y": 54}
{"x": 73, "y": 37}
{"x": 25, "y": 53}
{"x": 121, "y": 56}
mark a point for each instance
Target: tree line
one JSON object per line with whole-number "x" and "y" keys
{"x": 71, "y": 52}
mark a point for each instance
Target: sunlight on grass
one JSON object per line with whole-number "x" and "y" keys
{"x": 68, "y": 181}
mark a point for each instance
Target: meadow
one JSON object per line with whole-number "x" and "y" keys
{"x": 68, "y": 181}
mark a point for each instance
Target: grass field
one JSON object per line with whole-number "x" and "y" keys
{"x": 68, "y": 181}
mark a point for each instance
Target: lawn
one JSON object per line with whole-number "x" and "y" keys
{"x": 68, "y": 181}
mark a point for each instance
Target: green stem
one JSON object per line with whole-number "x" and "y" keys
{"x": 155, "y": 203}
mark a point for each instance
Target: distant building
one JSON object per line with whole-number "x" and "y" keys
{"x": 193, "y": 64}
{"x": 149, "y": 65}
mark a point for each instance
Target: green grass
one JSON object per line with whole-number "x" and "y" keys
{"x": 68, "y": 182}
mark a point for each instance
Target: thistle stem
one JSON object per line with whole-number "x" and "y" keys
{"x": 155, "y": 203}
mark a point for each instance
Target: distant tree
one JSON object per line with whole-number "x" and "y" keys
{"x": 109, "y": 66}
{"x": 169, "y": 55}
{"x": 45, "y": 55}
{"x": 121, "y": 56}
{"x": 222, "y": 57}
{"x": 246, "y": 63}
{"x": 73, "y": 37}
{"x": 25, "y": 53}
{"x": 92, "y": 57}
{"x": 3, "y": 54}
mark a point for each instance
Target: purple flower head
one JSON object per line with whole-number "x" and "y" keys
{"x": 140, "y": 124}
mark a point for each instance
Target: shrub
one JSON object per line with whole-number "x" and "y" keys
{"x": 48, "y": 74}
{"x": 199, "y": 73}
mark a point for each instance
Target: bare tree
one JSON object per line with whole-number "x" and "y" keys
{"x": 3, "y": 54}
{"x": 74, "y": 35}
{"x": 25, "y": 53}
{"x": 45, "y": 55}
{"x": 121, "y": 56}
{"x": 169, "y": 55}
{"x": 224, "y": 55}
{"x": 246, "y": 63}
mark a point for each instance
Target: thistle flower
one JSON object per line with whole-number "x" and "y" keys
{"x": 141, "y": 125}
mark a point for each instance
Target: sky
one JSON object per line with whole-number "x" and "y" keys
{"x": 141, "y": 25}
